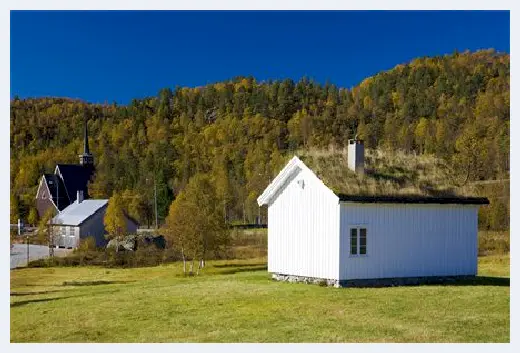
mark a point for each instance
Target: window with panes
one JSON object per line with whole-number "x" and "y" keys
{"x": 358, "y": 241}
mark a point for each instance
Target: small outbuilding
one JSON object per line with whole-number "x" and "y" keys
{"x": 82, "y": 219}
{"x": 317, "y": 234}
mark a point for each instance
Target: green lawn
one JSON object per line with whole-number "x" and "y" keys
{"x": 235, "y": 301}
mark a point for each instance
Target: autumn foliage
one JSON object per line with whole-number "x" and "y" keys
{"x": 453, "y": 107}
{"x": 195, "y": 224}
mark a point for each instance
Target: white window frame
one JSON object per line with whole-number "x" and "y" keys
{"x": 358, "y": 228}
{"x": 72, "y": 233}
{"x": 63, "y": 231}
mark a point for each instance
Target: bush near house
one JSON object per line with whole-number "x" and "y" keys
{"x": 493, "y": 243}
{"x": 149, "y": 251}
{"x": 143, "y": 257}
{"x": 87, "y": 244}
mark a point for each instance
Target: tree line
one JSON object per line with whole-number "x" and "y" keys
{"x": 241, "y": 131}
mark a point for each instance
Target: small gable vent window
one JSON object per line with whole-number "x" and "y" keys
{"x": 301, "y": 183}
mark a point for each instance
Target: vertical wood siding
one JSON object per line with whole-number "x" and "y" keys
{"x": 43, "y": 199}
{"x": 410, "y": 240}
{"x": 303, "y": 232}
{"x": 94, "y": 227}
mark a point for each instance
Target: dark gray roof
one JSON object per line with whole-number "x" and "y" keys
{"x": 57, "y": 190}
{"x": 75, "y": 177}
{"x": 460, "y": 200}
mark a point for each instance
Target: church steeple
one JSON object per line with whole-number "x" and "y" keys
{"x": 85, "y": 136}
{"x": 86, "y": 159}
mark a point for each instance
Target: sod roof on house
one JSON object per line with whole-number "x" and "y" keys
{"x": 389, "y": 177}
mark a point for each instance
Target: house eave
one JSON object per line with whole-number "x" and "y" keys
{"x": 412, "y": 199}
{"x": 292, "y": 167}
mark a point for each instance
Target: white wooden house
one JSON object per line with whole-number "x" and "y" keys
{"x": 315, "y": 233}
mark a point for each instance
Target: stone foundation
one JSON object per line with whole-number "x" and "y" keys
{"x": 312, "y": 280}
{"x": 376, "y": 282}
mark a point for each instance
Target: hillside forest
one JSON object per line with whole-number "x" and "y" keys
{"x": 454, "y": 108}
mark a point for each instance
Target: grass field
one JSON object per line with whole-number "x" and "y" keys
{"x": 235, "y": 301}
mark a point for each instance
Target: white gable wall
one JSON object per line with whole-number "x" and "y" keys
{"x": 303, "y": 232}
{"x": 410, "y": 240}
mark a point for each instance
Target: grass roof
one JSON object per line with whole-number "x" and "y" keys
{"x": 386, "y": 174}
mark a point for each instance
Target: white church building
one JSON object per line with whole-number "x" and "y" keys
{"x": 316, "y": 234}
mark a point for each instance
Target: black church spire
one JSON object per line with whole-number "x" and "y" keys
{"x": 85, "y": 136}
{"x": 86, "y": 159}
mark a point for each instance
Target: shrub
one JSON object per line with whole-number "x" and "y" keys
{"x": 87, "y": 244}
{"x": 245, "y": 244}
{"x": 146, "y": 240}
{"x": 493, "y": 243}
{"x": 322, "y": 283}
{"x": 41, "y": 263}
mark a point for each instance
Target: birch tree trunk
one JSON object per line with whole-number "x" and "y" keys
{"x": 183, "y": 262}
{"x": 201, "y": 265}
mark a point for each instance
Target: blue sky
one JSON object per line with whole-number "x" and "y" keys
{"x": 119, "y": 55}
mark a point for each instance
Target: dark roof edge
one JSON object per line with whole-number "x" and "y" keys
{"x": 131, "y": 218}
{"x": 414, "y": 199}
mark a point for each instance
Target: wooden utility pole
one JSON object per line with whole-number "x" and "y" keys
{"x": 50, "y": 232}
{"x": 155, "y": 196}
{"x": 155, "y": 202}
{"x": 26, "y": 238}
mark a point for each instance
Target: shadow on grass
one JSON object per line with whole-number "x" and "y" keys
{"x": 239, "y": 265}
{"x": 481, "y": 281}
{"x": 93, "y": 283}
{"x": 431, "y": 281}
{"x": 429, "y": 189}
{"x": 243, "y": 269}
{"x": 25, "y": 302}
{"x": 400, "y": 180}
{"x": 20, "y": 294}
